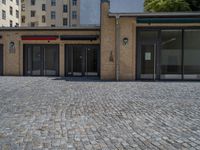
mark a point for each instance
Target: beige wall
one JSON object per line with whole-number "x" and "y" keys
{"x": 13, "y": 62}
{"x": 109, "y": 34}
{"x": 58, "y": 22}
{"x": 127, "y": 29}
{"x": 6, "y": 8}
{"x": 107, "y": 44}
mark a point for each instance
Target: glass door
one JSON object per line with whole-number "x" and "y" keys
{"x": 51, "y": 60}
{"x": 1, "y": 60}
{"x": 41, "y": 60}
{"x": 148, "y": 61}
{"x": 91, "y": 61}
{"x": 37, "y": 64}
{"x": 77, "y": 61}
{"x": 82, "y": 60}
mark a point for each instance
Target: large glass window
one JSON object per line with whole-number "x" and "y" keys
{"x": 148, "y": 36}
{"x": 171, "y": 54}
{"x": 192, "y": 54}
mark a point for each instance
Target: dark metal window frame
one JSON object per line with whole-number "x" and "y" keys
{"x": 1, "y": 59}
{"x": 25, "y": 58}
{"x": 70, "y": 46}
{"x": 158, "y": 48}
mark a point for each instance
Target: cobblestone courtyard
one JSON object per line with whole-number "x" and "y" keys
{"x": 52, "y": 113}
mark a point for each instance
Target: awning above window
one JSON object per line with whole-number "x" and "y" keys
{"x": 40, "y": 37}
{"x": 168, "y": 20}
{"x": 79, "y": 37}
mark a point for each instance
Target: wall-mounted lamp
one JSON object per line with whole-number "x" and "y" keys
{"x": 11, "y": 47}
{"x": 125, "y": 41}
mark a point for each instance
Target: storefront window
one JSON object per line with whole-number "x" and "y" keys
{"x": 171, "y": 54}
{"x": 148, "y": 36}
{"x": 192, "y": 54}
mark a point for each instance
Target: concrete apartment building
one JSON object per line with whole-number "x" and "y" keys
{"x": 10, "y": 13}
{"x": 126, "y": 46}
{"x": 52, "y": 13}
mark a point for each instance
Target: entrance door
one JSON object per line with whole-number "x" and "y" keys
{"x": 1, "y": 60}
{"x": 82, "y": 60}
{"x": 148, "y": 61}
{"x": 41, "y": 60}
{"x": 78, "y": 56}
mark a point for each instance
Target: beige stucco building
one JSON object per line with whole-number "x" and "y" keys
{"x": 10, "y": 13}
{"x": 126, "y": 46}
{"x": 51, "y": 13}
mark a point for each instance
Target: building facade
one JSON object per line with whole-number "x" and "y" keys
{"x": 126, "y": 46}
{"x": 51, "y": 13}
{"x": 10, "y": 13}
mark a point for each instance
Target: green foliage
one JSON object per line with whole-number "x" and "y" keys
{"x": 194, "y": 4}
{"x": 166, "y": 5}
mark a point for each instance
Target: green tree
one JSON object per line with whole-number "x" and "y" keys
{"x": 166, "y": 5}
{"x": 194, "y": 4}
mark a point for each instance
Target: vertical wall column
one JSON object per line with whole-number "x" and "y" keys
{"x": 108, "y": 58}
{"x": 62, "y": 60}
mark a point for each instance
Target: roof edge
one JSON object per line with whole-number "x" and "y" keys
{"x": 161, "y": 14}
{"x": 50, "y": 28}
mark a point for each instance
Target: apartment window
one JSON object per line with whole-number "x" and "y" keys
{"x": 53, "y": 25}
{"x": 4, "y": 1}
{"x": 65, "y": 8}
{"x": 23, "y": 19}
{"x": 17, "y": 2}
{"x": 11, "y": 23}
{"x": 4, "y": 14}
{"x": 23, "y": 7}
{"x": 65, "y": 21}
{"x": 32, "y": 2}
{"x": 53, "y": 2}
{"x": 43, "y": 19}
{"x": 53, "y": 15}
{"x": 74, "y": 2}
{"x": 11, "y": 11}
{"x": 32, "y": 24}
{"x": 17, "y": 25}
{"x": 43, "y": 7}
{"x": 17, "y": 14}
{"x": 74, "y": 15}
{"x": 32, "y": 13}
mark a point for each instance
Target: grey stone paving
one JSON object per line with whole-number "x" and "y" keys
{"x": 52, "y": 113}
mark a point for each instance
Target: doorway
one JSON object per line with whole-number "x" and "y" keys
{"x": 1, "y": 59}
{"x": 148, "y": 61}
{"x": 82, "y": 60}
{"x": 41, "y": 60}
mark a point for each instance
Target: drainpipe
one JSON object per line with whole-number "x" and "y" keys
{"x": 117, "y": 47}
{"x": 69, "y": 10}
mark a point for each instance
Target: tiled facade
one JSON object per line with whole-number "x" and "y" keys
{"x": 50, "y": 13}
{"x": 10, "y": 13}
{"x": 120, "y": 45}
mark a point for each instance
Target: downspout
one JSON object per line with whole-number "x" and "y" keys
{"x": 117, "y": 47}
{"x": 69, "y": 10}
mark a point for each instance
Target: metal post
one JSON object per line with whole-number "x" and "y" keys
{"x": 117, "y": 47}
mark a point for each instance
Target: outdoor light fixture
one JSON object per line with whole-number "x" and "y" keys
{"x": 125, "y": 41}
{"x": 11, "y": 47}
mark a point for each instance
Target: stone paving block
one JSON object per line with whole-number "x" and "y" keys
{"x": 52, "y": 113}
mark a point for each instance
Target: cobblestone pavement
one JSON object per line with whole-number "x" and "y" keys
{"x": 52, "y": 113}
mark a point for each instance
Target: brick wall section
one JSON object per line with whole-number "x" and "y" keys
{"x": 13, "y": 62}
{"x": 128, "y": 52}
{"x": 107, "y": 44}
